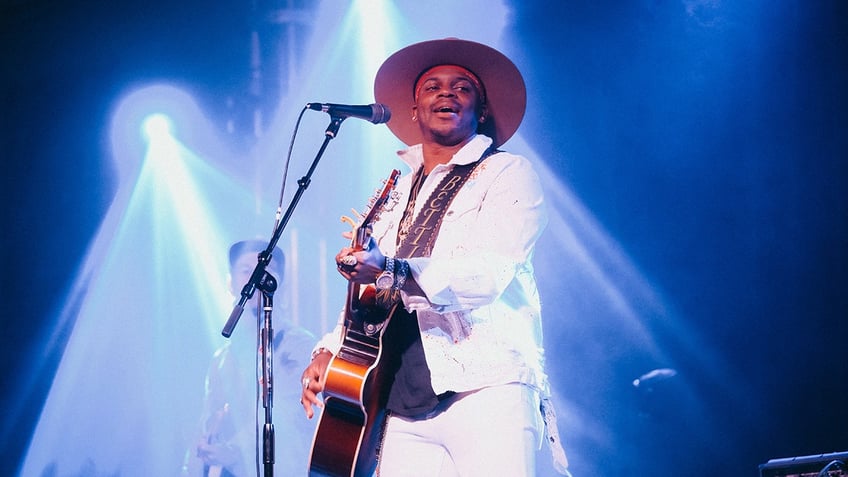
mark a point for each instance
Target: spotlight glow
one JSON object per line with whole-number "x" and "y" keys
{"x": 152, "y": 297}
{"x": 156, "y": 126}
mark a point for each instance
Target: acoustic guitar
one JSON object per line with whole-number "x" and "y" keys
{"x": 358, "y": 378}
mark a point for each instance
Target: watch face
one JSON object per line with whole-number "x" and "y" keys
{"x": 385, "y": 281}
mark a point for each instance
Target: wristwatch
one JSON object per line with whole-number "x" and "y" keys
{"x": 386, "y": 279}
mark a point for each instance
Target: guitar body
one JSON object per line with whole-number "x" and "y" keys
{"x": 358, "y": 381}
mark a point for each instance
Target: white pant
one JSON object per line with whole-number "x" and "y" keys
{"x": 492, "y": 431}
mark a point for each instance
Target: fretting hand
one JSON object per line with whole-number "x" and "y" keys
{"x": 361, "y": 266}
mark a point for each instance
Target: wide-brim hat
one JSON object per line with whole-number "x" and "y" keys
{"x": 506, "y": 95}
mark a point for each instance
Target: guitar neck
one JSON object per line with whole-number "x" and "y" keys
{"x": 352, "y": 301}
{"x": 361, "y": 236}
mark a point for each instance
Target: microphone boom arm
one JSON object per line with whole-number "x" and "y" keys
{"x": 257, "y": 278}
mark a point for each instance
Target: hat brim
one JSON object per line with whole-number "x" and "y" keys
{"x": 505, "y": 91}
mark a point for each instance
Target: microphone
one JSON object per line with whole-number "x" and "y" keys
{"x": 376, "y": 113}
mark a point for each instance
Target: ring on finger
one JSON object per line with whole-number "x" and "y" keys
{"x": 349, "y": 261}
{"x": 305, "y": 382}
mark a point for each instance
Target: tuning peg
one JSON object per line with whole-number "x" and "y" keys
{"x": 350, "y": 222}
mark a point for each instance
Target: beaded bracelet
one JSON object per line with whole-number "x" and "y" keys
{"x": 401, "y": 272}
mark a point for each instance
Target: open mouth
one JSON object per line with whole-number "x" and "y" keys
{"x": 445, "y": 109}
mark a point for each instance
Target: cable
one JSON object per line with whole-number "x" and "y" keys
{"x": 286, "y": 167}
{"x": 833, "y": 464}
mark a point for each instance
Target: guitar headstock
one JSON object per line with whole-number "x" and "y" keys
{"x": 375, "y": 206}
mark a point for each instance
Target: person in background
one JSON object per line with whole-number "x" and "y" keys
{"x": 471, "y": 396}
{"x": 230, "y": 445}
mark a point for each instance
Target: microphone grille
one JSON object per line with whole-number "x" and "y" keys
{"x": 380, "y": 113}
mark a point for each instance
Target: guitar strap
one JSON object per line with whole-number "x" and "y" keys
{"x": 418, "y": 240}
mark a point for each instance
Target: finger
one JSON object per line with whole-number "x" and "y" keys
{"x": 314, "y": 400}
{"x": 306, "y": 402}
{"x": 307, "y": 407}
{"x": 339, "y": 255}
{"x": 309, "y": 399}
{"x": 349, "y": 260}
{"x": 346, "y": 257}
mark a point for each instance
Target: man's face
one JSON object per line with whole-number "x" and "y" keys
{"x": 447, "y": 104}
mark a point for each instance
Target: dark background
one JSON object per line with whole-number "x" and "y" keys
{"x": 708, "y": 139}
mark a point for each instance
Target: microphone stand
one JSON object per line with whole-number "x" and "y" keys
{"x": 267, "y": 350}
{"x": 260, "y": 278}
